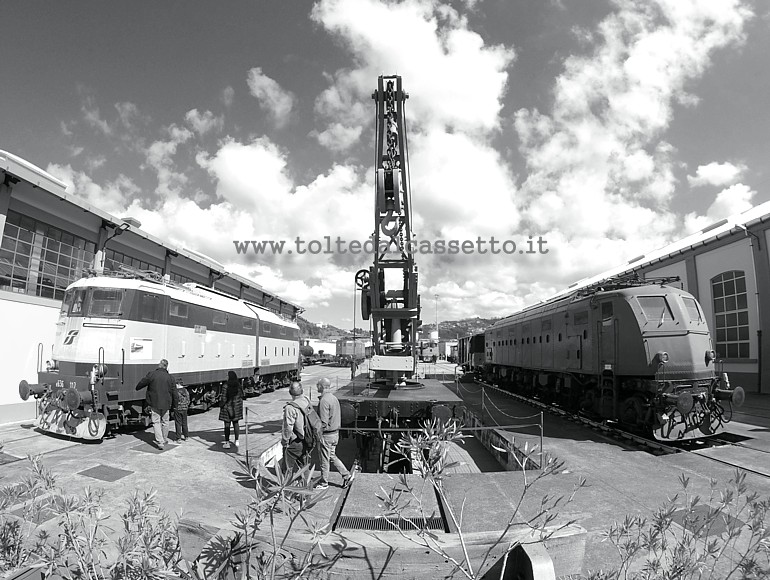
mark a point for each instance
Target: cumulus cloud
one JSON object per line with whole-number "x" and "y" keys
{"x": 273, "y": 99}
{"x": 730, "y": 201}
{"x": 159, "y": 156}
{"x": 599, "y": 171}
{"x": 717, "y": 174}
{"x": 227, "y": 96}
{"x": 204, "y": 122}
{"x": 113, "y": 197}
{"x": 457, "y": 81}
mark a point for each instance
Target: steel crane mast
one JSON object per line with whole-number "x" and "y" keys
{"x": 389, "y": 286}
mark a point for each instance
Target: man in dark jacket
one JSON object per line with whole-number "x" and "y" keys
{"x": 161, "y": 397}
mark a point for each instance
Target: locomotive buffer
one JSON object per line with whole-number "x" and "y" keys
{"x": 394, "y": 398}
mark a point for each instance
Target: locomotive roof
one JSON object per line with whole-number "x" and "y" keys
{"x": 580, "y": 295}
{"x": 192, "y": 294}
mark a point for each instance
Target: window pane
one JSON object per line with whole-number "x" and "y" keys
{"x": 178, "y": 309}
{"x": 732, "y": 351}
{"x": 741, "y": 301}
{"x": 78, "y": 302}
{"x": 692, "y": 309}
{"x": 743, "y": 318}
{"x": 740, "y": 285}
{"x": 743, "y": 333}
{"x": 718, "y": 290}
{"x": 149, "y": 307}
{"x": 655, "y": 308}
{"x": 743, "y": 350}
{"x": 730, "y": 303}
{"x": 106, "y": 302}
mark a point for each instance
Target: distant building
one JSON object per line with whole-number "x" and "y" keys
{"x": 49, "y": 238}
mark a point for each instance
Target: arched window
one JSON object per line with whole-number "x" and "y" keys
{"x": 728, "y": 290}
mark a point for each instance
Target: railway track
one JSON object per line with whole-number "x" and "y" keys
{"x": 750, "y": 459}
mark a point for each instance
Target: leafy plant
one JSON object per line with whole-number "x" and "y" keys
{"x": 84, "y": 546}
{"x": 724, "y": 537}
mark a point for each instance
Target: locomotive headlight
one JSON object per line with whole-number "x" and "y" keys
{"x": 710, "y": 355}
{"x": 662, "y": 356}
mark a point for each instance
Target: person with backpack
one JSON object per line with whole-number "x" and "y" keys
{"x": 301, "y": 429}
{"x": 329, "y": 412}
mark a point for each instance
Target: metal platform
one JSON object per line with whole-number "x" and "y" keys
{"x": 429, "y": 398}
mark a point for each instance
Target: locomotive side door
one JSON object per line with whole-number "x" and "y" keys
{"x": 575, "y": 351}
{"x": 607, "y": 337}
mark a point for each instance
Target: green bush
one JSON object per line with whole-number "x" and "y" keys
{"x": 723, "y": 537}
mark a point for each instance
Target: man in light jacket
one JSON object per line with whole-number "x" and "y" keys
{"x": 329, "y": 412}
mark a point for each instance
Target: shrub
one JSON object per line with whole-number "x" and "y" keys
{"x": 689, "y": 538}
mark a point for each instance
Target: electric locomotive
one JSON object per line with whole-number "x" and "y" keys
{"x": 113, "y": 329}
{"x": 633, "y": 351}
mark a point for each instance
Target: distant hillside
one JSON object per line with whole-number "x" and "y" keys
{"x": 449, "y": 329}
{"x": 309, "y": 329}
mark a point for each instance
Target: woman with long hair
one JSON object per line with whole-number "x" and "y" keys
{"x": 231, "y": 406}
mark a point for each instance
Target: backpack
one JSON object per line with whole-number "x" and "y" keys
{"x": 313, "y": 426}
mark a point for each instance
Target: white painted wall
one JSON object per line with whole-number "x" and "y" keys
{"x": 25, "y": 321}
{"x": 736, "y": 256}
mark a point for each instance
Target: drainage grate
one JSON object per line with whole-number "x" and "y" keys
{"x": 106, "y": 473}
{"x": 381, "y": 525}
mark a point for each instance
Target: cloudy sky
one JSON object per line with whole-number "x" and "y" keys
{"x": 605, "y": 128}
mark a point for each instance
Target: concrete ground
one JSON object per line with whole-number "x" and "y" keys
{"x": 206, "y": 485}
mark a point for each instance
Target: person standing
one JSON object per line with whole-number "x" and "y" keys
{"x": 293, "y": 429}
{"x": 329, "y": 412}
{"x": 161, "y": 397}
{"x": 180, "y": 415}
{"x": 231, "y": 411}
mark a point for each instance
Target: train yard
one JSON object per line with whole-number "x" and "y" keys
{"x": 623, "y": 476}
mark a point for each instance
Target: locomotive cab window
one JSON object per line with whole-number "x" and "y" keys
{"x": 178, "y": 309}
{"x": 266, "y": 330}
{"x": 248, "y": 324}
{"x": 692, "y": 309}
{"x": 655, "y": 309}
{"x": 106, "y": 302}
{"x": 67, "y": 302}
{"x": 78, "y": 302}
{"x": 150, "y": 307}
{"x": 220, "y": 318}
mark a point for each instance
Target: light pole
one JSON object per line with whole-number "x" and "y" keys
{"x": 437, "y": 334}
